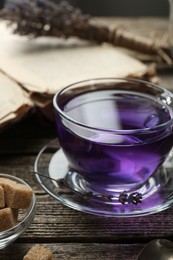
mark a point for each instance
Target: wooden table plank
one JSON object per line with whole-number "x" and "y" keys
{"x": 67, "y": 223}
{"x": 62, "y": 224}
{"x": 77, "y": 251}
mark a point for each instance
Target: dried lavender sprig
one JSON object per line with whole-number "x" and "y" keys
{"x": 124, "y": 198}
{"x": 44, "y": 18}
{"x": 38, "y": 18}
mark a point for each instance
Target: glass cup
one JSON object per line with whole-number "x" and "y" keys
{"x": 115, "y": 133}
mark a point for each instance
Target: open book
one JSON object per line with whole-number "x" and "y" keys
{"x": 32, "y": 70}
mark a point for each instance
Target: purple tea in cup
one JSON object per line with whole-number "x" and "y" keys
{"x": 115, "y": 133}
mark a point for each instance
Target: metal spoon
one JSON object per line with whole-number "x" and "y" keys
{"x": 158, "y": 249}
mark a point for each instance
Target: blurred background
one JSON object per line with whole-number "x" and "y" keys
{"x": 123, "y": 7}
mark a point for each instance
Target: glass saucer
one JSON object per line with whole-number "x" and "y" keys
{"x": 157, "y": 193}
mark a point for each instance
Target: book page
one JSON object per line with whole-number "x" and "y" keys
{"x": 44, "y": 65}
{"x": 14, "y": 100}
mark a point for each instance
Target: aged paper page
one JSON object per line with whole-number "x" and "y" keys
{"x": 44, "y": 65}
{"x": 13, "y": 100}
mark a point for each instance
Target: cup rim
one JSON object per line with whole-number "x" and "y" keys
{"x": 119, "y": 132}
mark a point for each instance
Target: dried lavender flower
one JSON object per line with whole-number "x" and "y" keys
{"x": 36, "y": 18}
{"x": 132, "y": 198}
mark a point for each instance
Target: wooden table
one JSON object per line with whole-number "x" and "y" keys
{"x": 68, "y": 233}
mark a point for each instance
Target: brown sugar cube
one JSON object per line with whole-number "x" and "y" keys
{"x": 18, "y": 196}
{"x": 38, "y": 253}
{"x": 2, "y": 198}
{"x": 7, "y": 219}
{"x": 15, "y": 213}
{"x": 5, "y": 181}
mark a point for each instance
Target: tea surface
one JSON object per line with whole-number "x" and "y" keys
{"x": 116, "y": 111}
